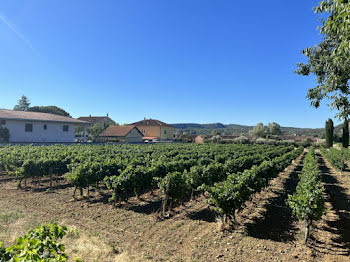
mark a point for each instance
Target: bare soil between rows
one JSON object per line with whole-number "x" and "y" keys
{"x": 266, "y": 230}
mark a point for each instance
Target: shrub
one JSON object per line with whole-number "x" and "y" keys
{"x": 40, "y": 244}
{"x": 4, "y": 135}
{"x": 335, "y": 157}
{"x": 241, "y": 140}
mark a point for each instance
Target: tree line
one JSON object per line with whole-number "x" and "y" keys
{"x": 23, "y": 104}
{"x": 330, "y": 135}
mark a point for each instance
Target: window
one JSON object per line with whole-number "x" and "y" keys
{"x": 164, "y": 132}
{"x": 29, "y": 127}
{"x": 65, "y": 128}
{"x": 2, "y": 122}
{"x": 45, "y": 127}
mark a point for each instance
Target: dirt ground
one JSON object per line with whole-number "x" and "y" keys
{"x": 266, "y": 231}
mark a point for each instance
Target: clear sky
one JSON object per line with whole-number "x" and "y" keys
{"x": 178, "y": 61}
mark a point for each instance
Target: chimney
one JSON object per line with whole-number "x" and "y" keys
{"x": 89, "y": 115}
{"x": 144, "y": 118}
{"x": 107, "y": 114}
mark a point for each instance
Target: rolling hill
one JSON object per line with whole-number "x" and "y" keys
{"x": 206, "y": 129}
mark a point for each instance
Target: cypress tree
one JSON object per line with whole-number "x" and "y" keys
{"x": 326, "y": 131}
{"x": 346, "y": 133}
{"x": 331, "y": 127}
{"x": 329, "y": 133}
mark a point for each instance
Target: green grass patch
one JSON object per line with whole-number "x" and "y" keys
{"x": 9, "y": 217}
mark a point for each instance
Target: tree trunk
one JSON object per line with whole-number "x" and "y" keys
{"x": 165, "y": 199}
{"x": 115, "y": 200}
{"x": 234, "y": 215}
{"x": 223, "y": 222}
{"x": 192, "y": 191}
{"x": 136, "y": 194}
{"x": 307, "y": 230}
{"x": 97, "y": 187}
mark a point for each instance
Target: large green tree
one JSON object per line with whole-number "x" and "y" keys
{"x": 22, "y": 104}
{"x": 274, "y": 128}
{"x": 96, "y": 129}
{"x": 337, "y": 23}
{"x": 215, "y": 132}
{"x": 259, "y": 130}
{"x": 345, "y": 139}
{"x": 329, "y": 60}
{"x": 49, "y": 109}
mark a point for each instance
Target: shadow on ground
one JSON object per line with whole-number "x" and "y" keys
{"x": 205, "y": 214}
{"x": 149, "y": 208}
{"x": 4, "y": 179}
{"x": 341, "y": 204}
{"x": 53, "y": 188}
{"x": 276, "y": 221}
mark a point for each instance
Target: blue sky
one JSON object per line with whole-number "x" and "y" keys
{"x": 200, "y": 61}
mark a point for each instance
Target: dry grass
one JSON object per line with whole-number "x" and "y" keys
{"x": 88, "y": 248}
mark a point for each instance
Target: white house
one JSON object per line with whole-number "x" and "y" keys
{"x": 34, "y": 127}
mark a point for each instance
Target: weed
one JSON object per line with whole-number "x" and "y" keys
{"x": 11, "y": 216}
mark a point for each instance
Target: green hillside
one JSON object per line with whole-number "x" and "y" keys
{"x": 207, "y": 129}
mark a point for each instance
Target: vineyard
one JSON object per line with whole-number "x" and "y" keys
{"x": 200, "y": 182}
{"x": 179, "y": 171}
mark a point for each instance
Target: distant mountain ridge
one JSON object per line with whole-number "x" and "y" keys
{"x": 206, "y": 129}
{"x": 193, "y": 125}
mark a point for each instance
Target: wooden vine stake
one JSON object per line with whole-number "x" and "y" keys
{"x": 50, "y": 178}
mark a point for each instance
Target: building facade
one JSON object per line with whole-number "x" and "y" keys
{"x": 153, "y": 129}
{"x": 34, "y": 127}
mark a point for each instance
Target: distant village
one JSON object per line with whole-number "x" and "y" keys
{"x": 37, "y": 127}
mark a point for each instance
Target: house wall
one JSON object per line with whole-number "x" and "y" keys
{"x": 163, "y": 132}
{"x": 133, "y": 136}
{"x": 167, "y": 133}
{"x": 198, "y": 140}
{"x": 53, "y": 133}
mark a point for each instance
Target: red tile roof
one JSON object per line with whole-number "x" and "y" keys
{"x": 118, "y": 131}
{"x": 36, "y": 116}
{"x": 150, "y": 122}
